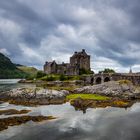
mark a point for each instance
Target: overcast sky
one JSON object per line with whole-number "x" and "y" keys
{"x": 35, "y": 31}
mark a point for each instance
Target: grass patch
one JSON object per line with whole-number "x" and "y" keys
{"x": 50, "y": 77}
{"x": 54, "y": 77}
{"x": 29, "y": 70}
{"x": 87, "y": 96}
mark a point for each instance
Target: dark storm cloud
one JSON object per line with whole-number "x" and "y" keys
{"x": 49, "y": 29}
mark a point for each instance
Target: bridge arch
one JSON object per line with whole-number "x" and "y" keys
{"x": 107, "y": 79}
{"x": 92, "y": 80}
{"x": 98, "y": 80}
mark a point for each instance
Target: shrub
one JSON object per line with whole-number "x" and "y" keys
{"x": 40, "y": 74}
{"x": 83, "y": 71}
{"x": 107, "y": 70}
{"x": 62, "y": 77}
{"x": 51, "y": 78}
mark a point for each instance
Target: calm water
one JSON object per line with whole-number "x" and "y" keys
{"x": 7, "y": 84}
{"x": 97, "y": 124}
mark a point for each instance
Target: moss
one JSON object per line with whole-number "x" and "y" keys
{"x": 87, "y": 96}
{"x": 120, "y": 103}
{"x": 82, "y": 104}
{"x": 121, "y": 82}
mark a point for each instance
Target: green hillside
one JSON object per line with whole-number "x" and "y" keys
{"x": 8, "y": 69}
{"x": 31, "y": 71}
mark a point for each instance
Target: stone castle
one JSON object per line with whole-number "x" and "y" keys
{"x": 78, "y": 61}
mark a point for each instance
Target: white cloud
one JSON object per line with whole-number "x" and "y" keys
{"x": 4, "y": 51}
{"x": 99, "y": 63}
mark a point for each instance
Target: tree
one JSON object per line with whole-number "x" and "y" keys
{"x": 40, "y": 74}
{"x": 107, "y": 70}
{"x": 62, "y": 77}
{"x": 84, "y": 71}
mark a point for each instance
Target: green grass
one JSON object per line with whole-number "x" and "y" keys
{"x": 87, "y": 96}
{"x": 30, "y": 70}
{"x": 54, "y": 77}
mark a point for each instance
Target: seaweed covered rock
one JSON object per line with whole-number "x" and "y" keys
{"x": 18, "y": 120}
{"x": 34, "y": 96}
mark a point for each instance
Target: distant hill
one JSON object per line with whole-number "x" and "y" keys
{"x": 29, "y": 70}
{"x": 8, "y": 69}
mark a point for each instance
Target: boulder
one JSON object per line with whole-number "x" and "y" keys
{"x": 34, "y": 95}
{"x": 112, "y": 88}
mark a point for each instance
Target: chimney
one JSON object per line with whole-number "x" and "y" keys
{"x": 75, "y": 52}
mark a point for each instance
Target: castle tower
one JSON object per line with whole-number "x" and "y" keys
{"x": 80, "y": 60}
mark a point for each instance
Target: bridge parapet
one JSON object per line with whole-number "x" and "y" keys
{"x": 105, "y": 77}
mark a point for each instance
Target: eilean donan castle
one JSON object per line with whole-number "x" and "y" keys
{"x": 79, "y": 61}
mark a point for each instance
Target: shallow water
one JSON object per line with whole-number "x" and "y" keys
{"x": 96, "y": 124}
{"x": 7, "y": 84}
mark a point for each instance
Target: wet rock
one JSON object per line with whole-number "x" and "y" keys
{"x": 82, "y": 104}
{"x": 34, "y": 96}
{"x": 11, "y": 121}
{"x": 13, "y": 111}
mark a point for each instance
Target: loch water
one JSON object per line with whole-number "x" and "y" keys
{"x": 96, "y": 124}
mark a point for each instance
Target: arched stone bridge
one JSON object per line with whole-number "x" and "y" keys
{"x": 101, "y": 78}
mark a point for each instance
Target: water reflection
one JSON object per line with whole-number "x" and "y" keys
{"x": 82, "y": 105}
{"x": 99, "y": 124}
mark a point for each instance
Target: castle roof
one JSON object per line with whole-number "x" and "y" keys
{"x": 82, "y": 53}
{"x": 50, "y": 63}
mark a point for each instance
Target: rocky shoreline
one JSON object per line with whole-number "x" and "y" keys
{"x": 122, "y": 90}
{"x": 116, "y": 94}
{"x": 34, "y": 96}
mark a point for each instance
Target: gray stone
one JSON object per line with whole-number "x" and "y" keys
{"x": 110, "y": 88}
